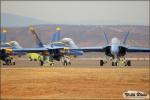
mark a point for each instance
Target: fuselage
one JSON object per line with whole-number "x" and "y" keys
{"x": 114, "y": 49}
{"x": 8, "y": 46}
{"x": 65, "y": 44}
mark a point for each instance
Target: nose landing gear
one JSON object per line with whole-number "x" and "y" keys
{"x": 117, "y": 62}
{"x": 114, "y": 63}
{"x": 121, "y": 62}
{"x": 102, "y": 62}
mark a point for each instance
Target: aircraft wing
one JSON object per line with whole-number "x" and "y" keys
{"x": 36, "y": 50}
{"x": 138, "y": 49}
{"x": 5, "y": 48}
{"x": 102, "y": 49}
{"x": 92, "y": 49}
{"x": 30, "y": 50}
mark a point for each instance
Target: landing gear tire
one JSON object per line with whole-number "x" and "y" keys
{"x": 41, "y": 63}
{"x": 114, "y": 63}
{"x": 128, "y": 63}
{"x": 52, "y": 64}
{"x": 101, "y": 62}
{"x": 14, "y": 63}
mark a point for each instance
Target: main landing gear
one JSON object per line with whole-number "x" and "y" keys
{"x": 128, "y": 63}
{"x": 114, "y": 64}
{"x": 9, "y": 61}
{"x": 102, "y": 62}
{"x": 46, "y": 61}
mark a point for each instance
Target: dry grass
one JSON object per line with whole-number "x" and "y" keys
{"x": 72, "y": 83}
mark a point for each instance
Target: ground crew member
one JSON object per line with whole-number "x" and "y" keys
{"x": 67, "y": 61}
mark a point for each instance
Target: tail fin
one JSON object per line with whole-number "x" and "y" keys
{"x": 106, "y": 38}
{"x": 56, "y": 35}
{"x": 125, "y": 37}
{"x": 3, "y": 36}
{"x": 37, "y": 39}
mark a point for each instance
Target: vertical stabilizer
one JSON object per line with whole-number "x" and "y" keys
{"x": 56, "y": 35}
{"x": 125, "y": 37}
{"x": 106, "y": 38}
{"x": 37, "y": 39}
{"x": 3, "y": 36}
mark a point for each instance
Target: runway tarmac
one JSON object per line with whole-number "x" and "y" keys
{"x": 84, "y": 79}
{"x": 22, "y": 62}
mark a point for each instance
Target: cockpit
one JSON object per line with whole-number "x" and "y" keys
{"x": 66, "y": 41}
{"x": 69, "y": 42}
{"x": 115, "y": 41}
{"x": 13, "y": 43}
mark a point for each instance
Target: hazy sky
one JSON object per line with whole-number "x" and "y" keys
{"x": 82, "y": 12}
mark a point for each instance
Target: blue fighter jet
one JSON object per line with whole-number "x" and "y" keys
{"x": 116, "y": 50}
{"x": 57, "y": 49}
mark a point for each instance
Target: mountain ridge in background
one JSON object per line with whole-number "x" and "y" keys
{"x": 83, "y": 35}
{"x": 12, "y": 20}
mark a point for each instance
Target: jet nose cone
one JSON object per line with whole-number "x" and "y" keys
{"x": 114, "y": 49}
{"x": 76, "y": 52}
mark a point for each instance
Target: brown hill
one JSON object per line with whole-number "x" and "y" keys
{"x": 83, "y": 35}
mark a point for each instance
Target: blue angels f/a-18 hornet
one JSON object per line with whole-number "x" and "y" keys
{"x": 6, "y": 53}
{"x": 116, "y": 50}
{"x": 58, "y": 49}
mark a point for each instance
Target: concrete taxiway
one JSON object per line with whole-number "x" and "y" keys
{"x": 78, "y": 62}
